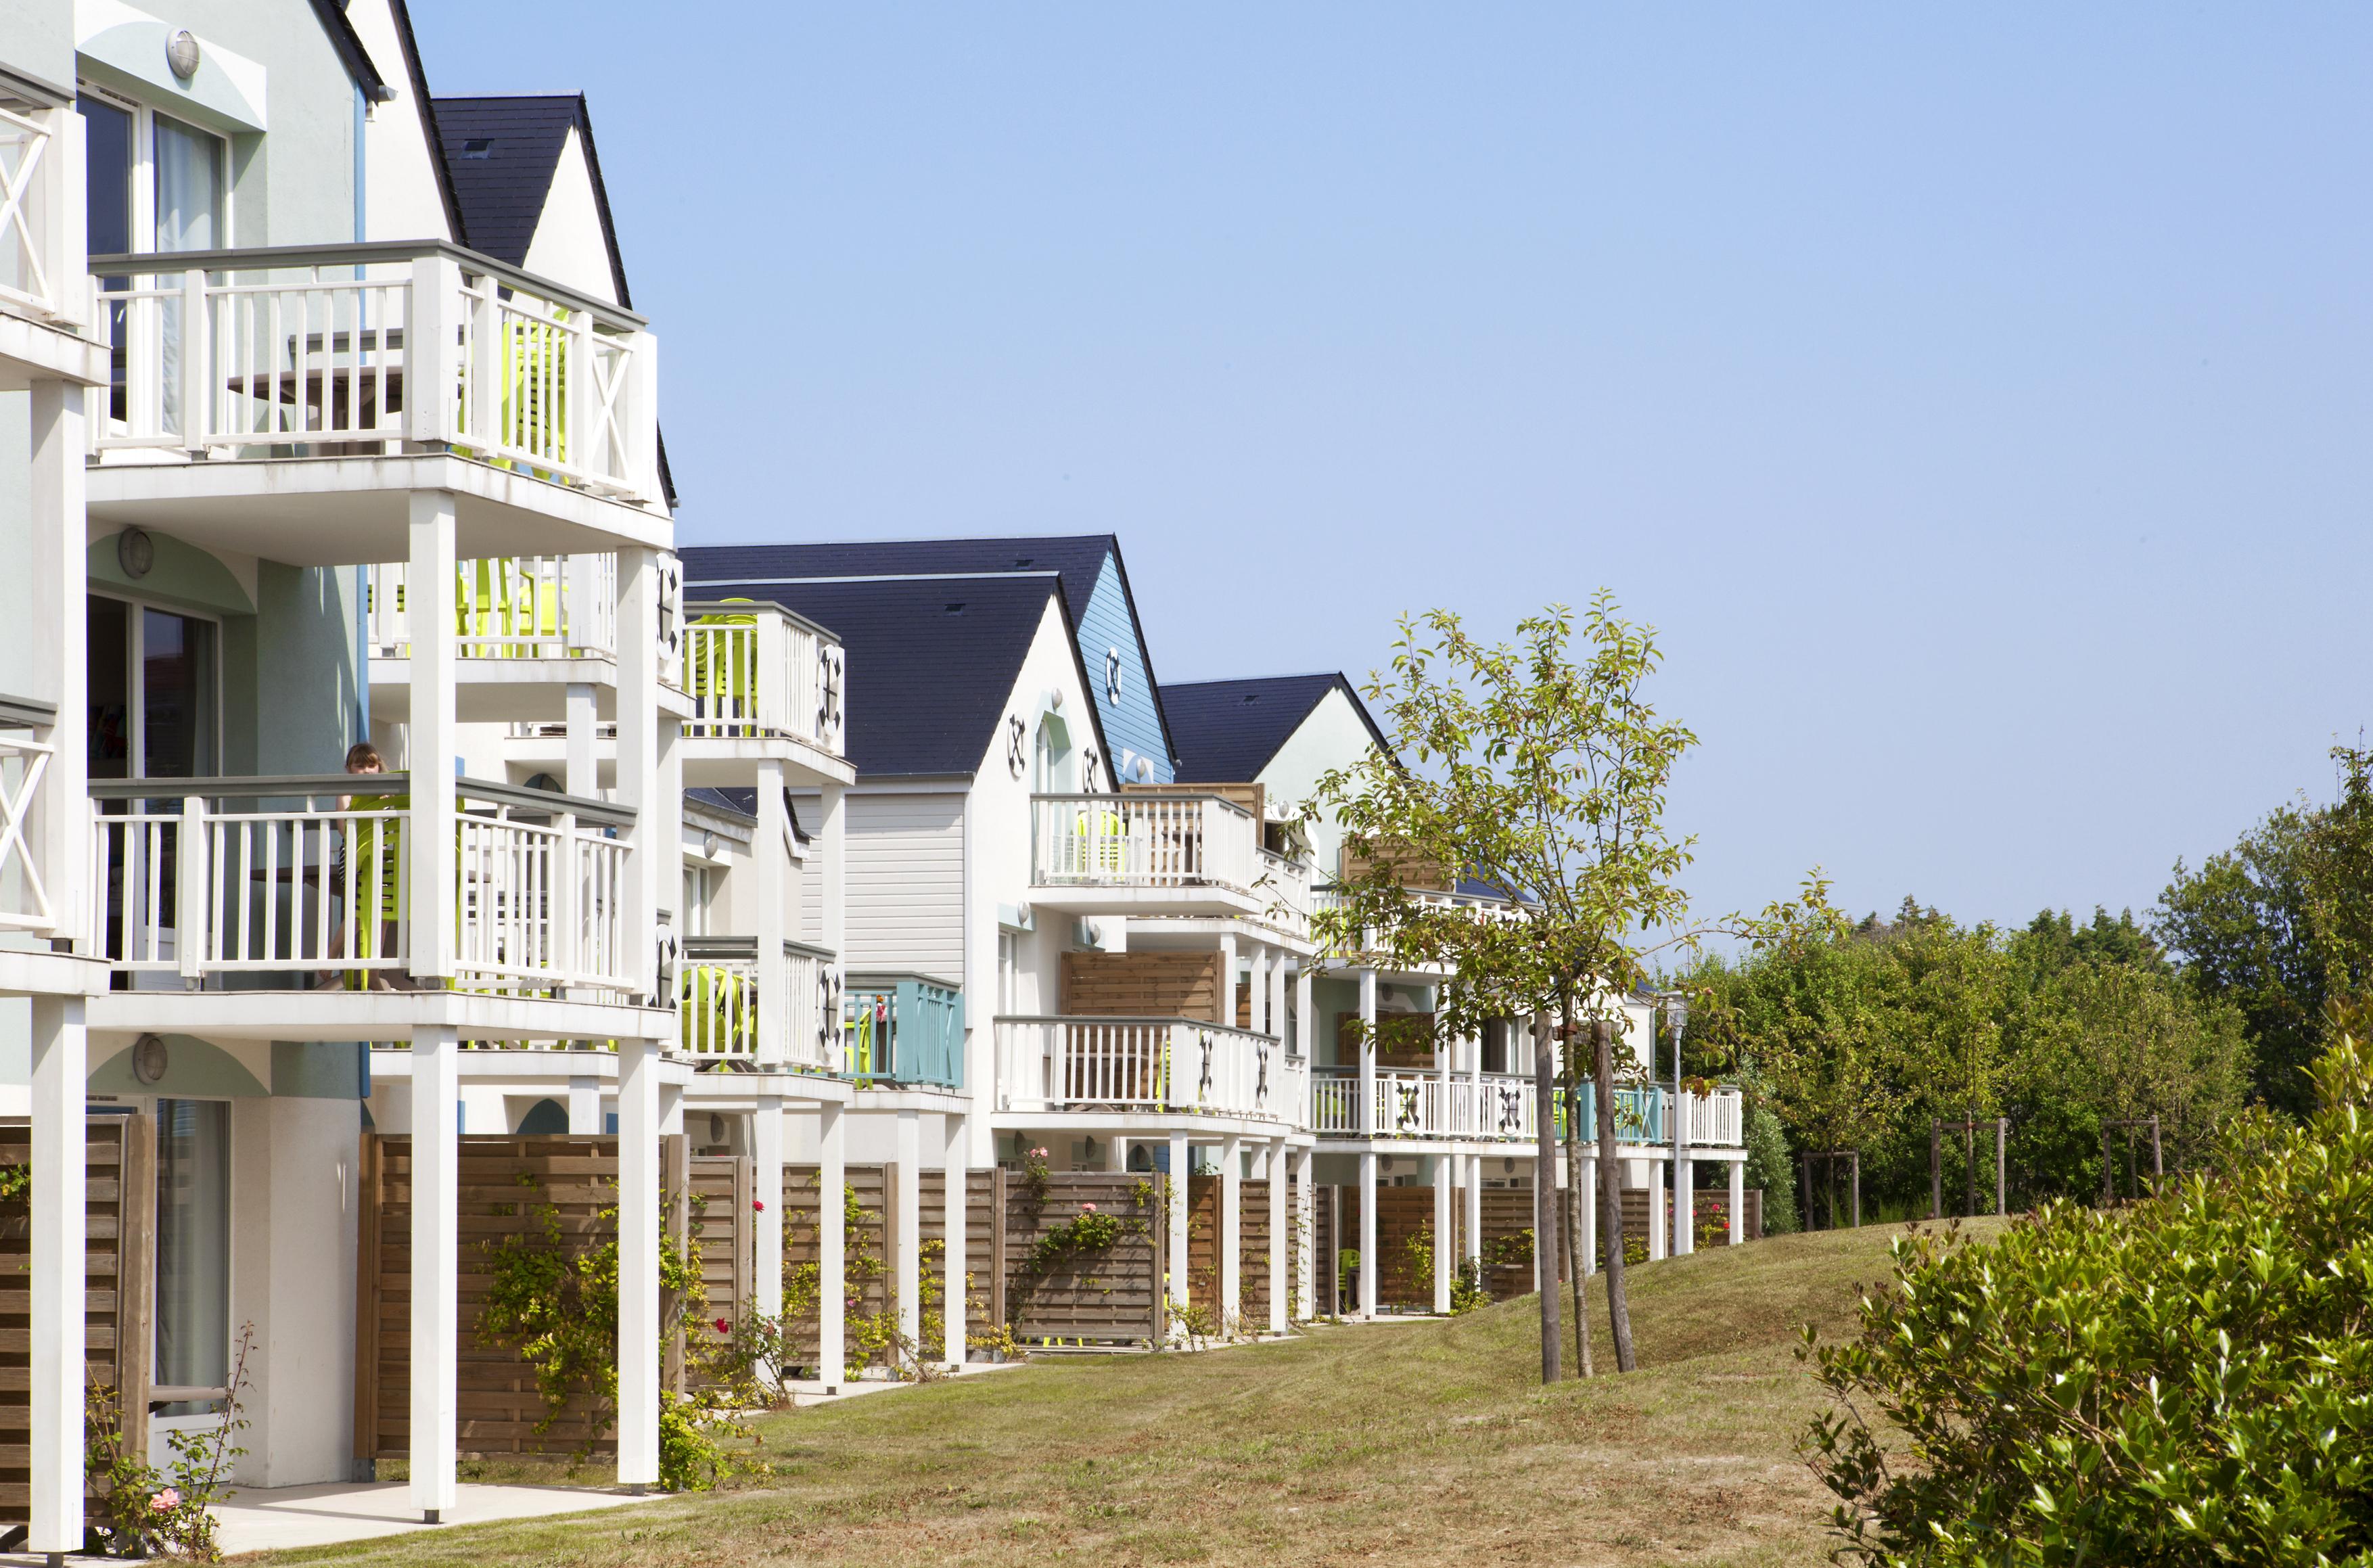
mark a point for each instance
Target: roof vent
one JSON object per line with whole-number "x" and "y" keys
{"x": 1252, "y": 697}
{"x": 1023, "y": 564}
{"x": 956, "y": 608}
{"x": 478, "y": 146}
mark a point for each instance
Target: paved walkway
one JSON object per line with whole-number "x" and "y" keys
{"x": 260, "y": 1519}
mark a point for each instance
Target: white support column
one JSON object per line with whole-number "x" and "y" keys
{"x": 830, "y": 853}
{"x": 430, "y": 583}
{"x": 907, "y": 1238}
{"x": 1277, "y": 992}
{"x": 1474, "y": 1194}
{"x": 1116, "y": 1153}
{"x": 583, "y": 777}
{"x": 767, "y": 1220}
{"x": 59, "y": 672}
{"x": 1227, "y": 980}
{"x": 1280, "y": 1239}
{"x": 1305, "y": 1225}
{"x": 61, "y": 1067}
{"x": 771, "y": 861}
{"x": 1445, "y": 1261}
{"x": 1260, "y": 994}
{"x": 1232, "y": 1233}
{"x": 956, "y": 1167}
{"x": 655, "y": 861}
{"x": 1180, "y": 1156}
{"x": 1590, "y": 1205}
{"x": 1684, "y": 1234}
{"x": 1371, "y": 1272}
{"x": 638, "y": 1259}
{"x": 436, "y": 1259}
{"x": 1657, "y": 1248}
{"x": 832, "y": 1246}
{"x": 1366, "y": 1120}
{"x": 1303, "y": 1025}
{"x": 1737, "y": 1201}
{"x": 584, "y": 1106}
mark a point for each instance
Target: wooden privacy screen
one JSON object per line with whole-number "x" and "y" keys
{"x": 1107, "y": 1297}
{"x": 507, "y": 1183}
{"x": 119, "y": 1208}
{"x": 1141, "y": 985}
{"x": 1404, "y": 1041}
{"x": 1252, "y": 1254}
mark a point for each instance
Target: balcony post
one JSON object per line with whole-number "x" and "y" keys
{"x": 196, "y": 379}
{"x": 1227, "y": 999}
{"x": 59, "y": 842}
{"x": 832, "y": 877}
{"x": 1445, "y": 1254}
{"x": 1232, "y": 1236}
{"x": 638, "y": 1262}
{"x": 641, "y": 465}
{"x": 60, "y": 1068}
{"x": 1659, "y": 1207}
{"x": 1305, "y": 1225}
{"x": 1370, "y": 1275}
{"x": 1367, "y": 1121}
{"x": 653, "y": 841}
{"x": 1277, "y": 996}
{"x": 192, "y": 893}
{"x": 954, "y": 1257}
{"x": 907, "y": 1230}
{"x": 767, "y": 1221}
{"x": 1473, "y": 1239}
{"x": 431, "y": 353}
{"x": 584, "y": 1106}
{"x": 429, "y": 585}
{"x": 1181, "y": 1156}
{"x": 1737, "y": 1226}
{"x": 769, "y": 857}
{"x": 1279, "y": 1239}
{"x": 581, "y": 777}
{"x": 1257, "y": 999}
{"x": 1587, "y": 1248}
{"x": 832, "y": 1244}
{"x": 436, "y": 1265}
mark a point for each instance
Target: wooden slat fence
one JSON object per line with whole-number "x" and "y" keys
{"x": 1111, "y": 1297}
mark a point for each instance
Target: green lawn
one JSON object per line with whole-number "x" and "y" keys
{"x": 1398, "y": 1444}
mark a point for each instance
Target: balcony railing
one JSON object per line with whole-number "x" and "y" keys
{"x": 206, "y": 878}
{"x": 36, "y": 275}
{"x": 1327, "y": 899}
{"x": 1146, "y": 1064}
{"x": 510, "y": 607}
{"x": 718, "y": 982}
{"x": 1142, "y": 839}
{"x": 1286, "y": 882}
{"x": 1717, "y": 1119}
{"x": 24, "y": 758}
{"x": 1502, "y": 1106}
{"x": 757, "y": 671}
{"x": 903, "y": 1029}
{"x": 405, "y": 346}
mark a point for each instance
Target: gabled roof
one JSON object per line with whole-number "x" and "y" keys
{"x": 931, "y": 661}
{"x": 501, "y": 154}
{"x": 418, "y": 77}
{"x": 351, "y": 53}
{"x": 1227, "y": 732}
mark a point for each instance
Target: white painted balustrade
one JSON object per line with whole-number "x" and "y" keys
{"x": 347, "y": 349}
{"x": 25, "y": 760}
{"x": 1142, "y": 839}
{"x": 754, "y": 671}
{"x": 509, "y": 607}
{"x": 38, "y": 277}
{"x": 1421, "y": 1104}
{"x": 718, "y": 983}
{"x": 1286, "y": 882}
{"x": 1715, "y": 1120}
{"x": 207, "y": 878}
{"x": 1147, "y": 1064}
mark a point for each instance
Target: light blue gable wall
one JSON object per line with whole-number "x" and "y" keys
{"x": 1131, "y": 724}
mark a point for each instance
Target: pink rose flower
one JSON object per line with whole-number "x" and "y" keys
{"x": 723, "y": 1327}
{"x": 1087, "y": 1208}
{"x": 165, "y": 1502}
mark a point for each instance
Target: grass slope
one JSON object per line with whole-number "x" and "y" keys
{"x": 1408, "y": 1444}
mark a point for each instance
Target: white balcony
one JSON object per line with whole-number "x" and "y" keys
{"x": 43, "y": 296}
{"x": 718, "y": 982}
{"x": 1715, "y": 1120}
{"x": 270, "y": 884}
{"x": 1363, "y": 949}
{"x": 1151, "y": 852}
{"x": 25, "y": 754}
{"x": 380, "y": 365}
{"x": 1504, "y": 1106}
{"x": 759, "y": 672}
{"x": 1070, "y": 1064}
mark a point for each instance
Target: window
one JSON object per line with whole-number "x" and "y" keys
{"x": 698, "y": 886}
{"x": 1009, "y": 973}
{"x": 153, "y": 182}
{"x": 153, "y": 694}
{"x": 192, "y": 1250}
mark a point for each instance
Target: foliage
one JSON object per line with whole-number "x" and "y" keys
{"x": 2281, "y": 926}
{"x": 1769, "y": 1167}
{"x": 1513, "y": 1250}
{"x": 140, "y": 1511}
{"x": 16, "y": 1183}
{"x": 1085, "y": 1233}
{"x": 2186, "y": 1380}
{"x": 1467, "y": 1291}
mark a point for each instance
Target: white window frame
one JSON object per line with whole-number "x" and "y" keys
{"x": 144, "y": 166}
{"x": 159, "y": 1425}
{"x": 137, "y": 717}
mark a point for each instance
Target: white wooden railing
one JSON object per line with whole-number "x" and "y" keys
{"x": 1716, "y": 1120}
{"x": 224, "y": 879}
{"x": 509, "y": 607}
{"x": 1326, "y": 900}
{"x": 25, "y": 758}
{"x": 1145, "y": 1064}
{"x": 718, "y": 984}
{"x": 754, "y": 671}
{"x": 1286, "y": 882}
{"x": 1141, "y": 839}
{"x": 1422, "y": 1105}
{"x": 384, "y": 346}
{"x": 36, "y": 274}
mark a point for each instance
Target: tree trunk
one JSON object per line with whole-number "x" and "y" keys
{"x": 1544, "y": 1215}
{"x": 1570, "y": 1060}
{"x": 1610, "y": 1196}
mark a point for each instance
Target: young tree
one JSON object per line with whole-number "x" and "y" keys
{"x": 1538, "y": 768}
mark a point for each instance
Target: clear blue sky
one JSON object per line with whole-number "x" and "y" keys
{"x": 1981, "y": 400}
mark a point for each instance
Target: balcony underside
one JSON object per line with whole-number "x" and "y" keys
{"x": 1147, "y": 1124}
{"x": 370, "y": 1015}
{"x": 1496, "y": 1145}
{"x": 546, "y": 1069}
{"x": 328, "y": 512}
{"x": 1209, "y": 903}
{"x": 1202, "y": 933}
{"x": 493, "y": 691}
{"x": 30, "y": 351}
{"x": 32, "y": 972}
{"x": 707, "y": 762}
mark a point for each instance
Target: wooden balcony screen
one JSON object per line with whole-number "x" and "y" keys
{"x": 1143, "y": 984}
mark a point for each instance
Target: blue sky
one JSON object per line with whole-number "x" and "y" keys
{"x": 1978, "y": 401}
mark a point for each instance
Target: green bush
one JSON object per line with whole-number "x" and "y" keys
{"x": 2185, "y": 1381}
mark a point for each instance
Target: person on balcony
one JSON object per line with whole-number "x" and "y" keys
{"x": 378, "y": 883}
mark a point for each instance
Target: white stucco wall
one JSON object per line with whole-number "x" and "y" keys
{"x": 568, "y": 246}
{"x": 401, "y": 199}
{"x": 1331, "y": 737}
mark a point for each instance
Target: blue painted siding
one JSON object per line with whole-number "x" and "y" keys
{"x": 1131, "y": 725}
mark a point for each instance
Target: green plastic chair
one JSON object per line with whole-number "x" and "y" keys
{"x": 718, "y": 1006}
{"x": 724, "y": 681}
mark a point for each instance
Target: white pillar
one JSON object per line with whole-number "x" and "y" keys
{"x": 1305, "y": 1225}
{"x": 1684, "y": 1236}
{"x": 1232, "y": 1234}
{"x": 830, "y": 853}
{"x": 638, "y": 1260}
{"x": 1280, "y": 1239}
{"x": 906, "y": 1226}
{"x": 1737, "y": 1201}
{"x": 1445, "y": 1258}
{"x": 771, "y": 862}
{"x": 1656, "y": 1243}
{"x": 430, "y": 583}
{"x": 61, "y": 1067}
{"x": 1227, "y": 980}
{"x": 436, "y": 1256}
{"x": 1259, "y": 997}
{"x": 832, "y": 1246}
{"x": 1116, "y": 1153}
{"x": 767, "y": 1221}
{"x": 1367, "y": 1121}
{"x": 59, "y": 670}
{"x": 655, "y": 861}
{"x": 583, "y": 774}
{"x": 1276, "y": 993}
{"x": 1590, "y": 1204}
{"x": 956, "y": 1167}
{"x": 1371, "y": 1274}
{"x": 1302, "y": 1025}
{"x": 584, "y": 1106}
{"x": 1474, "y": 1236}
{"x": 1180, "y": 1155}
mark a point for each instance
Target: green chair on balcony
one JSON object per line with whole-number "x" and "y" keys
{"x": 718, "y": 1010}
{"x": 723, "y": 673}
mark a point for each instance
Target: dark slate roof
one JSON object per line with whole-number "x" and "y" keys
{"x": 1227, "y": 731}
{"x": 501, "y": 188}
{"x": 927, "y": 684}
{"x": 741, "y": 802}
{"x": 351, "y": 53}
{"x": 1076, "y": 559}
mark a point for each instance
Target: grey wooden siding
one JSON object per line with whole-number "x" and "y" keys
{"x": 906, "y": 884}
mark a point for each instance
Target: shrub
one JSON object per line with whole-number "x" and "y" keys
{"x": 2184, "y": 1381}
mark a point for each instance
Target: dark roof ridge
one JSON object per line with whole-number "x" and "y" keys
{"x": 351, "y": 53}
{"x": 418, "y": 76}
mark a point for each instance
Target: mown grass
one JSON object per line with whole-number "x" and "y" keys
{"x": 1402, "y": 1444}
